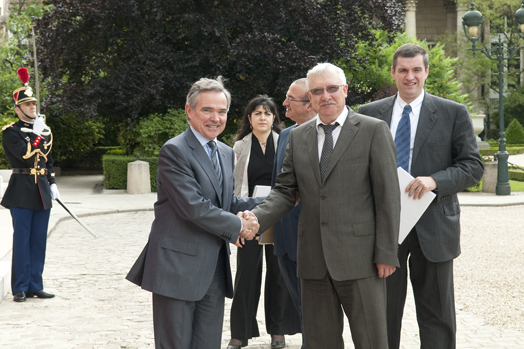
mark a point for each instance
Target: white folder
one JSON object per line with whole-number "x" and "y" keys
{"x": 410, "y": 209}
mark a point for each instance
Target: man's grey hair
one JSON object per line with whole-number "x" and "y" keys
{"x": 206, "y": 85}
{"x": 302, "y": 81}
{"x": 324, "y": 69}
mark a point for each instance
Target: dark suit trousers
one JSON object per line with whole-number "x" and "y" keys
{"x": 434, "y": 297}
{"x": 281, "y": 315}
{"x": 364, "y": 302}
{"x": 182, "y": 324}
{"x": 288, "y": 269}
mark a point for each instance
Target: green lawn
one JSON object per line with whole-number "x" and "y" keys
{"x": 515, "y": 187}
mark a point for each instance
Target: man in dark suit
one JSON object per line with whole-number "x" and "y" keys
{"x": 299, "y": 109}
{"x": 344, "y": 166}
{"x": 442, "y": 154}
{"x": 186, "y": 261}
{"x": 32, "y": 187}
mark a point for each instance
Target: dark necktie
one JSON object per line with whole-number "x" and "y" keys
{"x": 327, "y": 149}
{"x": 214, "y": 160}
{"x": 403, "y": 139}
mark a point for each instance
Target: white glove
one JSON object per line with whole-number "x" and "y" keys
{"x": 54, "y": 192}
{"x": 38, "y": 125}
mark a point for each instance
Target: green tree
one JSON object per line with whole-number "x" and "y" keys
{"x": 16, "y": 51}
{"x": 372, "y": 75}
{"x": 515, "y": 133}
{"x": 126, "y": 59}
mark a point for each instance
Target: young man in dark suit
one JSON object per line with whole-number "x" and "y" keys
{"x": 441, "y": 152}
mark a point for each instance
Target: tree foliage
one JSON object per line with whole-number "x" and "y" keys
{"x": 125, "y": 59}
{"x": 16, "y": 51}
{"x": 372, "y": 76}
{"x": 515, "y": 133}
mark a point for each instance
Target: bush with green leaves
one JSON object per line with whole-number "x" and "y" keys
{"x": 370, "y": 72}
{"x": 115, "y": 171}
{"x": 515, "y": 133}
{"x": 150, "y": 133}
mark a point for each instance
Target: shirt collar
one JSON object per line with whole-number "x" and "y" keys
{"x": 203, "y": 140}
{"x": 341, "y": 118}
{"x": 415, "y": 104}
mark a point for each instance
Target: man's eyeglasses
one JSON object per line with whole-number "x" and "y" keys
{"x": 291, "y": 99}
{"x": 329, "y": 89}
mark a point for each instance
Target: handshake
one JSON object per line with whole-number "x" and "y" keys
{"x": 250, "y": 227}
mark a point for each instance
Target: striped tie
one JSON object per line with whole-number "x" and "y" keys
{"x": 214, "y": 160}
{"x": 403, "y": 139}
{"x": 327, "y": 149}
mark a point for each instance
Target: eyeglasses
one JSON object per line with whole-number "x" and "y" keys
{"x": 291, "y": 99}
{"x": 329, "y": 89}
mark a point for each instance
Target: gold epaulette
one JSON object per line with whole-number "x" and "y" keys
{"x": 7, "y": 126}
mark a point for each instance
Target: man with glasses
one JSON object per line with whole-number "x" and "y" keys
{"x": 344, "y": 166}
{"x": 299, "y": 109}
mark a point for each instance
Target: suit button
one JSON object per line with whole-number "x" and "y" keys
{"x": 220, "y": 242}
{"x": 323, "y": 224}
{"x": 322, "y": 197}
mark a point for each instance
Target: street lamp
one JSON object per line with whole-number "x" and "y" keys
{"x": 473, "y": 24}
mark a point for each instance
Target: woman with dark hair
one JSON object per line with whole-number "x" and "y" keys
{"x": 255, "y": 144}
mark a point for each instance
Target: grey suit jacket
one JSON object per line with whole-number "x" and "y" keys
{"x": 351, "y": 220}
{"x": 192, "y": 221}
{"x": 446, "y": 149}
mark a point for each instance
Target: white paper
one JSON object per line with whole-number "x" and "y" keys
{"x": 410, "y": 209}
{"x": 261, "y": 190}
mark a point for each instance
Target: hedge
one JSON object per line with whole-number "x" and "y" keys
{"x": 115, "y": 171}
{"x": 510, "y": 150}
{"x": 516, "y": 175}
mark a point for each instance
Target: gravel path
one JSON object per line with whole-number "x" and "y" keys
{"x": 488, "y": 281}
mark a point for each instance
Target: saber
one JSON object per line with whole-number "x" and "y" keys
{"x": 75, "y": 217}
{"x": 36, "y": 72}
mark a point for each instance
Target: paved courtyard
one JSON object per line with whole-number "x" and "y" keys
{"x": 95, "y": 307}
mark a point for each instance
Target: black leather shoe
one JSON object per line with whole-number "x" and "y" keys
{"x": 238, "y": 346}
{"x": 278, "y": 343}
{"x": 40, "y": 294}
{"x": 19, "y": 297}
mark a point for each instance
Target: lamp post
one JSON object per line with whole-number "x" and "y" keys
{"x": 473, "y": 24}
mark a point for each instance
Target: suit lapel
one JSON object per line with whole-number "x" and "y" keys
{"x": 347, "y": 134}
{"x": 426, "y": 122}
{"x": 227, "y": 173}
{"x": 201, "y": 156}
{"x": 386, "y": 111}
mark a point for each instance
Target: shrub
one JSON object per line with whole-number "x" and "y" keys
{"x": 150, "y": 133}
{"x": 115, "y": 171}
{"x": 515, "y": 133}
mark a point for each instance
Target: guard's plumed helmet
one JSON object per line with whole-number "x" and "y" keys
{"x": 23, "y": 94}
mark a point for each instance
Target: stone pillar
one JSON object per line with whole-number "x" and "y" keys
{"x": 138, "y": 178}
{"x": 451, "y": 16}
{"x": 410, "y": 26}
{"x": 489, "y": 179}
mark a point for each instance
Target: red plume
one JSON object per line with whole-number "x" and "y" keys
{"x": 23, "y": 74}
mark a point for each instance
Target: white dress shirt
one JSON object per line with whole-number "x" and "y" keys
{"x": 336, "y": 132}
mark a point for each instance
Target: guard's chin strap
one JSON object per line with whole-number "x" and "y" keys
{"x": 32, "y": 118}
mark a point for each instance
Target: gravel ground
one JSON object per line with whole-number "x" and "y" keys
{"x": 488, "y": 281}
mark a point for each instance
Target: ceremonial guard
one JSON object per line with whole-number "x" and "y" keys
{"x": 27, "y": 144}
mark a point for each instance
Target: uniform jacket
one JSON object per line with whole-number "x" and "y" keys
{"x": 446, "y": 149}
{"x": 192, "y": 222}
{"x": 351, "y": 220}
{"x": 21, "y": 148}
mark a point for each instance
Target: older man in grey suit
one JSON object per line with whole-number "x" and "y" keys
{"x": 186, "y": 261}
{"x": 436, "y": 144}
{"x": 344, "y": 166}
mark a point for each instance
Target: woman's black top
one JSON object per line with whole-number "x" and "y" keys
{"x": 260, "y": 167}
